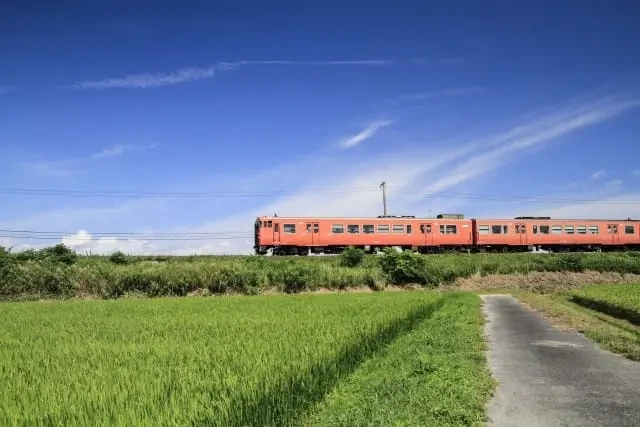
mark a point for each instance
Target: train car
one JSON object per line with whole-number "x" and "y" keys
{"x": 527, "y": 233}
{"x": 303, "y": 235}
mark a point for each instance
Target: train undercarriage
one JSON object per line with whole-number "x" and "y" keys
{"x": 335, "y": 250}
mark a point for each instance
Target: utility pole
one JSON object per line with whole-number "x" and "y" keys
{"x": 384, "y": 197}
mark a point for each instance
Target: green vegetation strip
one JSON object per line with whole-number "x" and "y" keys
{"x": 60, "y": 273}
{"x": 608, "y": 333}
{"x": 224, "y": 361}
{"x": 621, "y": 301}
{"x": 433, "y": 376}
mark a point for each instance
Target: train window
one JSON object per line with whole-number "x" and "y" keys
{"x": 629, "y": 229}
{"x": 556, "y": 229}
{"x": 544, "y": 229}
{"x": 505, "y": 229}
{"x": 483, "y": 229}
{"x": 568, "y": 229}
{"x": 383, "y": 228}
{"x": 448, "y": 229}
{"x": 535, "y": 229}
{"x": 337, "y": 228}
{"x": 316, "y": 228}
{"x": 517, "y": 229}
{"x": 594, "y": 229}
{"x": 408, "y": 228}
{"x": 308, "y": 228}
{"x": 496, "y": 229}
{"x": 425, "y": 228}
{"x": 367, "y": 228}
{"x": 276, "y": 227}
{"x": 353, "y": 228}
{"x": 581, "y": 229}
{"x": 612, "y": 229}
{"x": 289, "y": 228}
{"x": 398, "y": 228}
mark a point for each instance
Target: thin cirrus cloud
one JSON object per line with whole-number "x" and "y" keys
{"x": 365, "y": 134}
{"x": 120, "y": 149}
{"x": 598, "y": 174}
{"x": 155, "y": 80}
{"x": 235, "y": 64}
{"x": 147, "y": 80}
{"x": 421, "y": 96}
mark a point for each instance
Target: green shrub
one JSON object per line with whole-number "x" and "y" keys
{"x": 404, "y": 267}
{"x": 351, "y": 257}
{"x": 59, "y": 253}
{"x": 118, "y": 257}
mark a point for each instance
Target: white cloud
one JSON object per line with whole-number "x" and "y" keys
{"x": 120, "y": 149}
{"x": 84, "y": 242}
{"x": 146, "y": 81}
{"x": 365, "y": 134}
{"x": 598, "y": 174}
{"x": 155, "y": 80}
{"x": 636, "y": 172}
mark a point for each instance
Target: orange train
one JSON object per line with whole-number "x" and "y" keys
{"x": 305, "y": 235}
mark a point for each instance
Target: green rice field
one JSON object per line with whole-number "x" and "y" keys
{"x": 397, "y": 358}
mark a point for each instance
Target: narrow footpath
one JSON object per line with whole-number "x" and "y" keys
{"x": 547, "y": 377}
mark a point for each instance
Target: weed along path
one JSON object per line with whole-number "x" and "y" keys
{"x": 548, "y": 377}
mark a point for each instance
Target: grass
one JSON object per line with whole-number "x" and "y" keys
{"x": 433, "y": 376}
{"x": 60, "y": 274}
{"x": 619, "y": 301}
{"x": 612, "y": 334}
{"x": 269, "y": 360}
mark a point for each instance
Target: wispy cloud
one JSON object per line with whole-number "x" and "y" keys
{"x": 421, "y": 96}
{"x": 155, "y": 80}
{"x": 120, "y": 149}
{"x": 71, "y": 166}
{"x": 362, "y": 62}
{"x": 530, "y": 135}
{"x": 365, "y": 134}
{"x": 432, "y": 61}
{"x": 598, "y": 174}
{"x": 614, "y": 183}
{"x": 147, "y": 81}
{"x": 635, "y": 172}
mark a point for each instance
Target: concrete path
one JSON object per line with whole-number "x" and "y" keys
{"x": 552, "y": 378}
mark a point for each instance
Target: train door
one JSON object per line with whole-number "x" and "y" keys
{"x": 312, "y": 232}
{"x": 612, "y": 229}
{"x": 426, "y": 230}
{"x": 521, "y": 230}
{"x": 276, "y": 232}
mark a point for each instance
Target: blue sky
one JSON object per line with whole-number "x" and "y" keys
{"x": 304, "y": 109}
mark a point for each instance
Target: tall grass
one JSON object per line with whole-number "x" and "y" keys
{"x": 220, "y": 362}
{"x": 61, "y": 275}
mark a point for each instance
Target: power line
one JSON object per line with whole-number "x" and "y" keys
{"x": 91, "y": 238}
{"x": 75, "y": 193}
{"x": 48, "y": 192}
{"x": 133, "y": 234}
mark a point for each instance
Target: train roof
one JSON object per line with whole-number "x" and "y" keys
{"x": 408, "y": 217}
